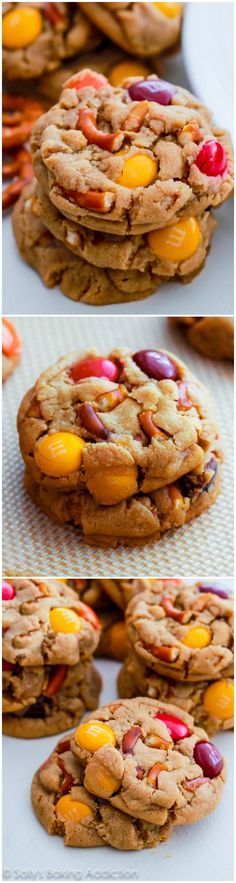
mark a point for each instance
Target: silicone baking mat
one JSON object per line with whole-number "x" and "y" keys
{"x": 31, "y": 542}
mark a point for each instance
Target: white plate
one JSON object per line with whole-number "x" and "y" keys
{"x": 203, "y": 851}
{"x": 207, "y": 43}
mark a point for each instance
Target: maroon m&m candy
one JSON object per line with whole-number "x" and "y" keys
{"x": 208, "y": 758}
{"x": 7, "y": 666}
{"x": 8, "y": 592}
{"x": 215, "y": 590}
{"x": 156, "y": 364}
{"x": 94, "y": 367}
{"x": 212, "y": 159}
{"x": 177, "y": 728}
{"x": 152, "y": 90}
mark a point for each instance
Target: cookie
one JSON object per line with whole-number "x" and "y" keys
{"x": 122, "y": 590}
{"x": 210, "y": 702}
{"x": 186, "y": 634}
{"x": 178, "y": 251}
{"x": 77, "y": 279}
{"x": 37, "y": 37}
{"x": 153, "y": 159}
{"x": 44, "y": 700}
{"x": 64, "y": 807}
{"x": 148, "y": 759}
{"x": 212, "y": 336}
{"x": 46, "y": 624}
{"x": 11, "y": 348}
{"x": 123, "y": 447}
{"x": 141, "y": 28}
{"x": 109, "y": 60}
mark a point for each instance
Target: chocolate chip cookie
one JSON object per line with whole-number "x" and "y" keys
{"x": 177, "y": 251}
{"x": 37, "y": 37}
{"x": 77, "y": 279}
{"x": 130, "y": 159}
{"x": 46, "y": 624}
{"x": 123, "y": 446}
{"x": 11, "y": 348}
{"x": 65, "y": 807}
{"x": 148, "y": 759}
{"x": 212, "y": 336}
{"x": 44, "y": 700}
{"x": 210, "y": 702}
{"x": 186, "y": 634}
{"x": 140, "y": 28}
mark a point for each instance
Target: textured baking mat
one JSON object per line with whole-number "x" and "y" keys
{"x": 34, "y": 544}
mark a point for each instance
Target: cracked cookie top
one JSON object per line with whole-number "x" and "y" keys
{"x": 142, "y": 28}
{"x": 141, "y": 156}
{"x": 185, "y": 633}
{"x": 45, "y": 622}
{"x": 118, "y": 425}
{"x": 64, "y": 807}
{"x": 150, "y": 760}
{"x": 38, "y": 36}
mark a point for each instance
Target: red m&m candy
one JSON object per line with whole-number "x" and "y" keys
{"x": 152, "y": 90}
{"x": 94, "y": 367}
{"x": 7, "y": 666}
{"x": 177, "y": 728}
{"x": 8, "y": 592}
{"x": 212, "y": 159}
{"x": 208, "y": 758}
{"x": 156, "y": 364}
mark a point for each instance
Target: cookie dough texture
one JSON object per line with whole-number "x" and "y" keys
{"x": 212, "y": 336}
{"x": 77, "y": 278}
{"x": 59, "y": 39}
{"x": 185, "y": 451}
{"x": 140, "y": 28}
{"x": 159, "y": 627}
{"x": 169, "y": 799}
{"x": 104, "y": 61}
{"x": 29, "y": 712}
{"x": 104, "y": 825}
{"x": 68, "y": 166}
{"x": 136, "y": 679}
{"x": 131, "y": 253}
{"x": 28, "y": 637}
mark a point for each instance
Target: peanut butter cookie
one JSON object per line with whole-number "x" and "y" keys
{"x": 212, "y": 336}
{"x": 141, "y": 28}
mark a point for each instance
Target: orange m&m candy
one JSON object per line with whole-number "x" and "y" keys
{"x": 94, "y": 734}
{"x": 177, "y": 242}
{"x": 21, "y": 26}
{"x": 125, "y": 69}
{"x": 170, "y": 10}
{"x": 198, "y": 637}
{"x": 111, "y": 488}
{"x": 75, "y": 810}
{"x": 63, "y": 619}
{"x": 138, "y": 171}
{"x": 59, "y": 453}
{"x": 218, "y": 699}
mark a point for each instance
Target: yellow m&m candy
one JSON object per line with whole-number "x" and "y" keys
{"x": 75, "y": 810}
{"x": 21, "y": 27}
{"x": 176, "y": 243}
{"x": 138, "y": 171}
{"x": 60, "y": 453}
{"x": 63, "y": 619}
{"x": 125, "y": 69}
{"x": 112, "y": 488}
{"x": 218, "y": 699}
{"x": 94, "y": 734}
{"x": 169, "y": 9}
{"x": 198, "y": 637}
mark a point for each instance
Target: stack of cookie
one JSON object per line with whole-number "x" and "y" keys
{"x": 49, "y": 637}
{"x": 133, "y": 452}
{"x": 127, "y": 177}
{"x": 130, "y": 773}
{"x": 182, "y": 651}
